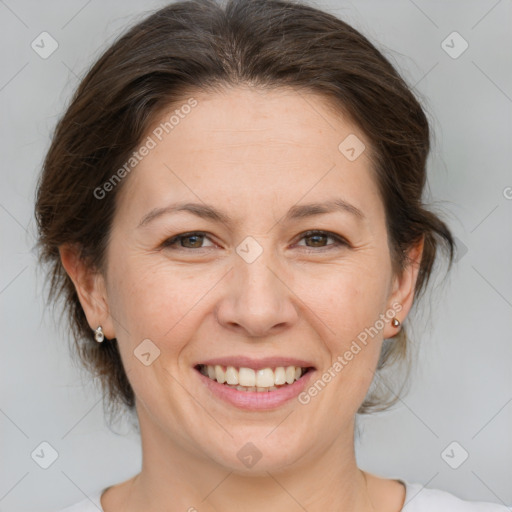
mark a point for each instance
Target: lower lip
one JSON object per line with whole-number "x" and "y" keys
{"x": 256, "y": 400}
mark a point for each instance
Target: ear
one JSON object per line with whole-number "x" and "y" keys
{"x": 402, "y": 295}
{"x": 90, "y": 287}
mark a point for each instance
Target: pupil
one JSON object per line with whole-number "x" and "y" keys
{"x": 316, "y": 237}
{"x": 197, "y": 237}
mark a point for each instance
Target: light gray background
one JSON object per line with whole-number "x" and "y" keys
{"x": 462, "y": 387}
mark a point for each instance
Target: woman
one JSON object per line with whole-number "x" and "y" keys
{"x": 232, "y": 209}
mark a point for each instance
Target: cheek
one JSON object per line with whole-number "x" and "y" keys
{"x": 348, "y": 297}
{"x": 154, "y": 300}
{"x": 152, "y": 307}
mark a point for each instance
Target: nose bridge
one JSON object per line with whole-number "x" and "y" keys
{"x": 258, "y": 273}
{"x": 255, "y": 258}
{"x": 257, "y": 300}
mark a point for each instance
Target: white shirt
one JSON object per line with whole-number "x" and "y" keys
{"x": 417, "y": 499}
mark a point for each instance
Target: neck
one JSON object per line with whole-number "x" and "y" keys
{"x": 173, "y": 476}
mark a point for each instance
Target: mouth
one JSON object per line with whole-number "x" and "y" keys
{"x": 254, "y": 380}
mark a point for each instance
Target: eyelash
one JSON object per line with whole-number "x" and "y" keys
{"x": 170, "y": 243}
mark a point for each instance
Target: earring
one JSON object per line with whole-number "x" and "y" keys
{"x": 98, "y": 334}
{"x": 395, "y": 322}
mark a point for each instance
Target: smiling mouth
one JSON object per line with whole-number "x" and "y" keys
{"x": 250, "y": 380}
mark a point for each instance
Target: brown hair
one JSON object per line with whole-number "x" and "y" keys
{"x": 201, "y": 45}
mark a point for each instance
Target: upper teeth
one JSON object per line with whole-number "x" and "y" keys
{"x": 264, "y": 378}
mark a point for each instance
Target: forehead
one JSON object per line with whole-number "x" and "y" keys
{"x": 281, "y": 116}
{"x": 251, "y": 147}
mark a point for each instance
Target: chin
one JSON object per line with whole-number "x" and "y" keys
{"x": 258, "y": 451}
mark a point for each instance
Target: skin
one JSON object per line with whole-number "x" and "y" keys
{"x": 253, "y": 154}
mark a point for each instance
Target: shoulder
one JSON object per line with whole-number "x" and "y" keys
{"x": 423, "y": 499}
{"x": 90, "y": 504}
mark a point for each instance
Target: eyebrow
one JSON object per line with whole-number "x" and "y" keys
{"x": 206, "y": 211}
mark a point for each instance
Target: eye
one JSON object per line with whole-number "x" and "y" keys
{"x": 319, "y": 237}
{"x": 195, "y": 238}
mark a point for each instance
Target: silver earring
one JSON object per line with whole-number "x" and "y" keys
{"x": 395, "y": 322}
{"x": 98, "y": 334}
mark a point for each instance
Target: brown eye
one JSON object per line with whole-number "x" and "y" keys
{"x": 195, "y": 241}
{"x": 319, "y": 239}
{"x": 192, "y": 240}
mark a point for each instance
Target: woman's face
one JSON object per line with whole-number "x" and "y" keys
{"x": 248, "y": 287}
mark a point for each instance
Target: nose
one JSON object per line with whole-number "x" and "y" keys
{"x": 257, "y": 300}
